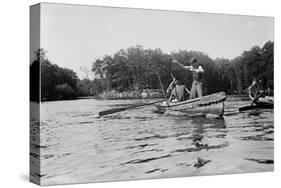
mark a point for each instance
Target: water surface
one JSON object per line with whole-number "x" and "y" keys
{"x": 76, "y": 146}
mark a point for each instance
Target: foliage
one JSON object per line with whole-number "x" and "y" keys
{"x": 54, "y": 79}
{"x": 135, "y": 68}
{"x": 257, "y": 63}
{"x": 85, "y": 87}
{"x": 34, "y": 77}
{"x": 64, "y": 91}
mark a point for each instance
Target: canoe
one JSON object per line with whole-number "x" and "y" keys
{"x": 209, "y": 104}
{"x": 264, "y": 105}
{"x": 266, "y": 102}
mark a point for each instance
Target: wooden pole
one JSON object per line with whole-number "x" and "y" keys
{"x": 163, "y": 91}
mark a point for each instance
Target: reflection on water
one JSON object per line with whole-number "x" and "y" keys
{"x": 76, "y": 146}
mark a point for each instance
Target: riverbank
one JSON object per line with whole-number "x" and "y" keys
{"x": 144, "y": 94}
{"x": 110, "y": 95}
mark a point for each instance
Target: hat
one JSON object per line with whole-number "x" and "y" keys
{"x": 193, "y": 60}
{"x": 177, "y": 82}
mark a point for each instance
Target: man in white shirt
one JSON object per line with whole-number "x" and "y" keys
{"x": 197, "y": 74}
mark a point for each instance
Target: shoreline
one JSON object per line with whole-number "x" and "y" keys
{"x": 97, "y": 97}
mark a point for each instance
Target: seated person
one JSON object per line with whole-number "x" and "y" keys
{"x": 179, "y": 92}
{"x": 256, "y": 96}
{"x": 253, "y": 88}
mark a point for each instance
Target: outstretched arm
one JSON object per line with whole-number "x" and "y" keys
{"x": 198, "y": 70}
{"x": 250, "y": 92}
{"x": 182, "y": 66}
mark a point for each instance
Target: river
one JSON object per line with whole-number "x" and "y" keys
{"x": 78, "y": 147}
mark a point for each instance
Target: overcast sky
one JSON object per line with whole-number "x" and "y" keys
{"x": 74, "y": 36}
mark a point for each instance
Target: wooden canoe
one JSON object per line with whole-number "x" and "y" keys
{"x": 266, "y": 102}
{"x": 209, "y": 104}
{"x": 264, "y": 105}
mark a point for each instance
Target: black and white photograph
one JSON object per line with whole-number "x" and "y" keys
{"x": 129, "y": 94}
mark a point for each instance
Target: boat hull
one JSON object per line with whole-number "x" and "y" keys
{"x": 264, "y": 105}
{"x": 210, "y": 104}
{"x": 258, "y": 105}
{"x": 264, "y": 102}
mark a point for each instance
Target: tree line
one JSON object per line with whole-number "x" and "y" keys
{"x": 49, "y": 82}
{"x": 136, "y": 68}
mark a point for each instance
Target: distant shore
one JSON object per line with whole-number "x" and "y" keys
{"x": 144, "y": 94}
{"x": 111, "y": 95}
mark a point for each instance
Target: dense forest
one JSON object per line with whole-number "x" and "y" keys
{"x": 56, "y": 82}
{"x": 136, "y": 68}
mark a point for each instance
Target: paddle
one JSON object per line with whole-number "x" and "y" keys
{"x": 115, "y": 110}
{"x": 179, "y": 64}
{"x": 251, "y": 106}
{"x": 161, "y": 85}
{"x": 182, "y": 66}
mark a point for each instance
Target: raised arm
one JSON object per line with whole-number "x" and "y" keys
{"x": 250, "y": 92}
{"x": 199, "y": 69}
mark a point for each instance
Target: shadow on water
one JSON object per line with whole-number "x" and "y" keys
{"x": 198, "y": 138}
{"x": 218, "y": 122}
{"x": 190, "y": 131}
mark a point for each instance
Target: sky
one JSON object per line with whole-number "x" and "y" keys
{"x": 74, "y": 36}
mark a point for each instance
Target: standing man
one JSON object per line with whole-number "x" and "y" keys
{"x": 197, "y": 74}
